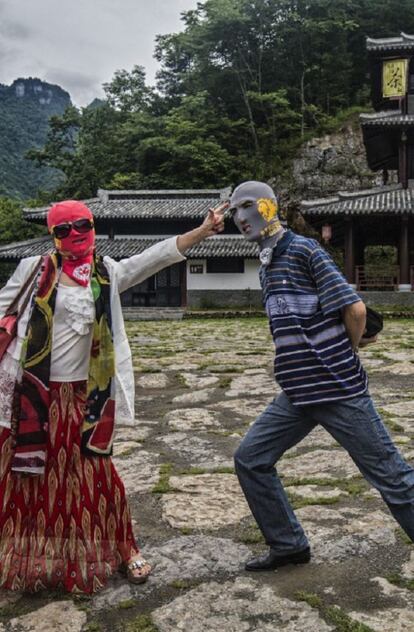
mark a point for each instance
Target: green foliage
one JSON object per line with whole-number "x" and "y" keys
{"x": 239, "y": 89}
{"x": 13, "y": 227}
{"x": 127, "y": 91}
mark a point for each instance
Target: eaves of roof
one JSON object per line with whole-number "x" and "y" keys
{"x": 119, "y": 248}
{"x": 146, "y": 205}
{"x": 393, "y": 200}
{"x": 403, "y": 42}
{"x": 388, "y": 118}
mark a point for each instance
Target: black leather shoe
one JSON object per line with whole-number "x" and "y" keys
{"x": 273, "y": 560}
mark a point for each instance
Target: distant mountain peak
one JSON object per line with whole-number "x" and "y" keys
{"x": 26, "y": 106}
{"x": 43, "y": 92}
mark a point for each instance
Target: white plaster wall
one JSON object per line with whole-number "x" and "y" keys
{"x": 224, "y": 281}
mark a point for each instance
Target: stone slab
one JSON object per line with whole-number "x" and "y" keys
{"x": 243, "y": 605}
{"x": 139, "y": 472}
{"x": 194, "y": 419}
{"x": 60, "y": 615}
{"x": 206, "y": 501}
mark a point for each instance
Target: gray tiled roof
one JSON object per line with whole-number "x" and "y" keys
{"x": 389, "y": 118}
{"x": 163, "y": 204}
{"x": 220, "y": 246}
{"x": 386, "y": 200}
{"x": 403, "y": 42}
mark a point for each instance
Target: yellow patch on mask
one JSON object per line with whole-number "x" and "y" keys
{"x": 271, "y": 230}
{"x": 267, "y": 208}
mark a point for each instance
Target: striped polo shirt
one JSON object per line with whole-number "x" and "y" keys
{"x": 303, "y": 292}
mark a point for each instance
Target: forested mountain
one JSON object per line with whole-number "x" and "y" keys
{"x": 25, "y": 109}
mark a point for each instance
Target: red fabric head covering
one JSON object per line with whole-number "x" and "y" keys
{"x": 67, "y": 211}
{"x": 77, "y": 248}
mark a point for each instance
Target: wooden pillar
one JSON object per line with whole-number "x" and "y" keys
{"x": 402, "y": 161}
{"x": 349, "y": 250}
{"x": 404, "y": 255}
{"x": 183, "y": 283}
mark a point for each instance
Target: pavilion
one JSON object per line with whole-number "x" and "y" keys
{"x": 383, "y": 216}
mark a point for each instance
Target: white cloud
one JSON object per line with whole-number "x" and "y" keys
{"x": 79, "y": 44}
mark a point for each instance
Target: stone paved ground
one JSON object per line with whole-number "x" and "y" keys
{"x": 199, "y": 386}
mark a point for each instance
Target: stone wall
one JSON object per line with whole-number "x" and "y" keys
{"x": 388, "y": 299}
{"x": 205, "y": 299}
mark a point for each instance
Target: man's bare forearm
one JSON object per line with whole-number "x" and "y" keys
{"x": 354, "y": 317}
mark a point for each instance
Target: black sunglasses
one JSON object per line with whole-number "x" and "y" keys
{"x": 60, "y": 231}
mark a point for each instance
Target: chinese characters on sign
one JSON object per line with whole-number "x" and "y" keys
{"x": 394, "y": 78}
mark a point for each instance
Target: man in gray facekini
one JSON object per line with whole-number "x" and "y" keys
{"x": 317, "y": 322}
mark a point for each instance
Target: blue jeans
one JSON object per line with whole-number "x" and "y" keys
{"x": 356, "y": 425}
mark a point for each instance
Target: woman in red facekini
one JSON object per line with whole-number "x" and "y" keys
{"x": 64, "y": 380}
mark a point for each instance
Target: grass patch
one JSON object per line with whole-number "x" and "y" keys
{"x": 163, "y": 485}
{"x": 197, "y": 471}
{"x": 126, "y": 604}
{"x": 399, "y": 581}
{"x": 186, "y": 531}
{"x": 332, "y": 614}
{"x": 353, "y": 486}
{"x": 389, "y": 421}
{"x": 184, "y": 584}
{"x": 251, "y": 535}
{"x": 93, "y": 626}
{"x": 143, "y": 623}
{"x": 297, "y": 501}
{"x": 225, "y": 381}
{"x": 401, "y": 534}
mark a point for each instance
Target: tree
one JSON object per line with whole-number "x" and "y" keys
{"x": 13, "y": 226}
{"x": 127, "y": 91}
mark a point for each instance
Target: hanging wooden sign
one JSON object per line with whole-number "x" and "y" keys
{"x": 394, "y": 78}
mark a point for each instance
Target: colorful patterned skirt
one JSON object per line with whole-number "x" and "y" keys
{"x": 71, "y": 528}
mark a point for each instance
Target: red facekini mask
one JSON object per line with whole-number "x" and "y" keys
{"x": 76, "y": 247}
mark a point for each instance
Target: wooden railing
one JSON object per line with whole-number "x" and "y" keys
{"x": 371, "y": 279}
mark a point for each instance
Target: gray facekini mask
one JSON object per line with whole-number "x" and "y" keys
{"x": 255, "y": 211}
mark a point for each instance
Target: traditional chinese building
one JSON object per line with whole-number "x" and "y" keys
{"x": 383, "y": 216}
{"x": 219, "y": 272}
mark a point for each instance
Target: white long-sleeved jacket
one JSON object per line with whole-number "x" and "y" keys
{"x": 123, "y": 274}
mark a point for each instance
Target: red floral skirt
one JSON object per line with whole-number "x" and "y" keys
{"x": 71, "y": 528}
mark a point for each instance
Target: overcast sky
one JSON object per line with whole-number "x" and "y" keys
{"x": 79, "y": 44}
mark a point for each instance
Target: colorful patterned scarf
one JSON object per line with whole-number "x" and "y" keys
{"x": 31, "y": 401}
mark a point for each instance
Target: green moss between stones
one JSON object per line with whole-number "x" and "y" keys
{"x": 186, "y": 531}
{"x": 401, "y": 534}
{"x": 354, "y": 486}
{"x": 400, "y": 581}
{"x": 163, "y": 485}
{"x": 333, "y": 614}
{"x": 126, "y": 604}
{"x": 184, "y": 584}
{"x": 93, "y": 626}
{"x": 297, "y": 501}
{"x": 142, "y": 623}
{"x": 251, "y": 535}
